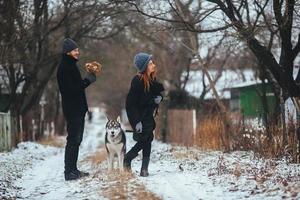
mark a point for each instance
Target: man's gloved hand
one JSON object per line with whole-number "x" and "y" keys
{"x": 139, "y": 127}
{"x": 91, "y": 77}
{"x": 157, "y": 99}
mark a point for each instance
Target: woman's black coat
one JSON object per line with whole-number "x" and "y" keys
{"x": 140, "y": 106}
{"x": 71, "y": 87}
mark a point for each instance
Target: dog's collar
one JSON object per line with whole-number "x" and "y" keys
{"x": 115, "y": 143}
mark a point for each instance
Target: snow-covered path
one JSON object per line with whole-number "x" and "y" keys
{"x": 45, "y": 180}
{"x": 181, "y": 173}
{"x": 35, "y": 171}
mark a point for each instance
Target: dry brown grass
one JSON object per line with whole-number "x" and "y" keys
{"x": 97, "y": 158}
{"x": 209, "y": 133}
{"x": 237, "y": 170}
{"x": 125, "y": 186}
{"x": 262, "y": 145}
{"x": 56, "y": 141}
{"x": 118, "y": 184}
{"x": 274, "y": 147}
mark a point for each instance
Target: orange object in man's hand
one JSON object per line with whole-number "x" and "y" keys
{"x": 93, "y": 67}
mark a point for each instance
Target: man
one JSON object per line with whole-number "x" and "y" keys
{"x": 74, "y": 105}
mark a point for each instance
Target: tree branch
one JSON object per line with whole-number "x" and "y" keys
{"x": 277, "y": 12}
{"x": 296, "y": 49}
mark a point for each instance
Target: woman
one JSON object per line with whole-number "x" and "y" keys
{"x": 141, "y": 104}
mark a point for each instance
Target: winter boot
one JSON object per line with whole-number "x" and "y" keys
{"x": 71, "y": 176}
{"x": 127, "y": 164}
{"x": 144, "y": 169}
{"x": 82, "y": 174}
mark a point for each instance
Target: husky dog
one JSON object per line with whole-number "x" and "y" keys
{"x": 115, "y": 142}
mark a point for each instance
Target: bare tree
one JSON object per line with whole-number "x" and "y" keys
{"x": 30, "y": 42}
{"x": 260, "y": 24}
{"x": 183, "y": 27}
{"x": 247, "y": 26}
{"x": 251, "y": 19}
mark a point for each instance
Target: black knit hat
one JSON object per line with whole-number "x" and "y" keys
{"x": 69, "y": 45}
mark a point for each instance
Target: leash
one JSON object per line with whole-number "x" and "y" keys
{"x": 130, "y": 131}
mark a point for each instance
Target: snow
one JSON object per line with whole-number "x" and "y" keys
{"x": 181, "y": 173}
{"x": 228, "y": 79}
{"x": 35, "y": 171}
{"x": 244, "y": 84}
{"x": 14, "y": 164}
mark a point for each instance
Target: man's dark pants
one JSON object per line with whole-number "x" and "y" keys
{"x": 75, "y": 127}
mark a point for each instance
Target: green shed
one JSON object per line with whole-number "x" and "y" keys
{"x": 247, "y": 98}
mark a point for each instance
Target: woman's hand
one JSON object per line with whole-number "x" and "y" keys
{"x": 139, "y": 127}
{"x": 157, "y": 99}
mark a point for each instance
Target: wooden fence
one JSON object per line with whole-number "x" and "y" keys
{"x": 5, "y": 132}
{"x": 179, "y": 126}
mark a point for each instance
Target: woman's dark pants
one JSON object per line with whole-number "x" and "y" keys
{"x": 144, "y": 141}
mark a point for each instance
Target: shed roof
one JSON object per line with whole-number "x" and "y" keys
{"x": 245, "y": 84}
{"x": 228, "y": 79}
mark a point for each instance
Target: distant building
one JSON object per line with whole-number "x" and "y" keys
{"x": 239, "y": 91}
{"x": 247, "y": 99}
{"x": 228, "y": 78}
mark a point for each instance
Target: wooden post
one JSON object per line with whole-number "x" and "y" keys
{"x": 5, "y": 132}
{"x": 181, "y": 126}
{"x": 2, "y": 133}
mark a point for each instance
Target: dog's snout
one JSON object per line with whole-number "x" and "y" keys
{"x": 112, "y": 132}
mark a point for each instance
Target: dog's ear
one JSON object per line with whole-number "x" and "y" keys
{"x": 107, "y": 119}
{"x": 119, "y": 119}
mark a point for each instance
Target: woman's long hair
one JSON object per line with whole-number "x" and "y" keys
{"x": 147, "y": 79}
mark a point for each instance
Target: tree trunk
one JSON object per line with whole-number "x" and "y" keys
{"x": 16, "y": 135}
{"x": 283, "y": 122}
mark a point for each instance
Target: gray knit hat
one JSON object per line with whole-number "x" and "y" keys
{"x": 141, "y": 61}
{"x": 69, "y": 45}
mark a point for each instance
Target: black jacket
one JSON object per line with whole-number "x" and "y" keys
{"x": 140, "y": 104}
{"x": 71, "y": 87}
